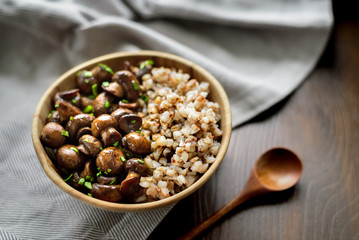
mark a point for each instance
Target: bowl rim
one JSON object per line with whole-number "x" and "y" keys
{"x": 131, "y": 207}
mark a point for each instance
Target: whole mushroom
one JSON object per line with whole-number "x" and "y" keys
{"x": 104, "y": 126}
{"x": 120, "y": 112}
{"x": 114, "y": 88}
{"x": 129, "y": 123}
{"x": 111, "y": 193}
{"x": 136, "y": 143}
{"x": 85, "y": 80}
{"x": 67, "y": 110}
{"x": 129, "y": 83}
{"x": 130, "y": 185}
{"x": 89, "y": 145}
{"x": 69, "y": 157}
{"x": 52, "y": 135}
{"x": 78, "y": 122}
{"x": 110, "y": 160}
{"x": 102, "y": 103}
{"x": 102, "y": 73}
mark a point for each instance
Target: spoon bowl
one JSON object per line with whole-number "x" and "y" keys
{"x": 278, "y": 169}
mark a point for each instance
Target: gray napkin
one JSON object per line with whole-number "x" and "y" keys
{"x": 259, "y": 50}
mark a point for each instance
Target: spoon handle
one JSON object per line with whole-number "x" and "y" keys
{"x": 199, "y": 229}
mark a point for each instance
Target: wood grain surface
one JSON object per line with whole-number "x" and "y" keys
{"x": 320, "y": 122}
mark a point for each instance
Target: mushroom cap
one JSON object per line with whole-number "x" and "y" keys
{"x": 120, "y": 112}
{"x": 101, "y": 74}
{"x": 110, "y": 158}
{"x": 110, "y": 136}
{"x": 111, "y": 193}
{"x": 55, "y": 117}
{"x": 133, "y": 165}
{"x": 91, "y": 145}
{"x": 130, "y": 185}
{"x": 128, "y": 81}
{"x": 129, "y": 123}
{"x": 80, "y": 121}
{"x": 67, "y": 110}
{"x": 51, "y": 135}
{"x": 99, "y": 104}
{"x": 85, "y": 81}
{"x": 67, "y": 157}
{"x": 136, "y": 143}
{"x": 101, "y": 122}
{"x": 115, "y": 89}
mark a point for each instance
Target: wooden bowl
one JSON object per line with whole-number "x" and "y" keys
{"x": 115, "y": 60}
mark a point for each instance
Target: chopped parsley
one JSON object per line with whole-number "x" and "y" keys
{"x": 74, "y": 149}
{"x": 147, "y": 62}
{"x": 88, "y": 109}
{"x": 106, "y": 84}
{"x": 107, "y": 104}
{"x": 107, "y": 68}
{"x": 70, "y": 176}
{"x": 135, "y": 85}
{"x": 65, "y": 133}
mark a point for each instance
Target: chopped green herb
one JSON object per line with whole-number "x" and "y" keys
{"x": 74, "y": 101}
{"x": 141, "y": 161}
{"x": 81, "y": 181}
{"x": 98, "y": 169}
{"x": 147, "y": 62}
{"x": 144, "y": 98}
{"x": 79, "y": 73}
{"x": 138, "y": 131}
{"x": 101, "y": 148}
{"x": 107, "y": 68}
{"x": 71, "y": 118}
{"x": 107, "y": 104}
{"x": 92, "y": 97}
{"x": 88, "y": 109}
{"x": 115, "y": 144}
{"x": 125, "y": 100}
{"x": 74, "y": 149}
{"x": 70, "y": 176}
{"x": 50, "y": 114}
{"x": 87, "y": 81}
{"x": 57, "y": 105}
{"x": 90, "y": 195}
{"x": 127, "y": 154}
{"x": 74, "y": 180}
{"x": 123, "y": 159}
{"x": 106, "y": 173}
{"x": 94, "y": 89}
{"x": 65, "y": 133}
{"x": 86, "y": 140}
{"x": 99, "y": 173}
{"x": 87, "y": 178}
{"x": 133, "y": 121}
{"x": 135, "y": 85}
{"x": 106, "y": 84}
{"x": 109, "y": 170}
{"x": 87, "y": 74}
{"x": 113, "y": 181}
{"x": 92, "y": 114}
{"x": 88, "y": 185}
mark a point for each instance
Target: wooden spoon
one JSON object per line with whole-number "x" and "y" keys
{"x": 277, "y": 169}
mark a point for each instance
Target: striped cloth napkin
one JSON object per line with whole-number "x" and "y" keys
{"x": 259, "y": 50}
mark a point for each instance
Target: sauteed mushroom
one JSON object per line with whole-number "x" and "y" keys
{"x": 102, "y": 72}
{"x": 88, "y": 171}
{"x": 111, "y": 193}
{"x": 67, "y": 110}
{"x": 104, "y": 126}
{"x": 110, "y": 160}
{"x": 73, "y": 96}
{"x": 102, "y": 103}
{"x": 114, "y": 88}
{"x": 53, "y": 135}
{"x": 89, "y": 145}
{"x": 69, "y": 157}
{"x": 85, "y": 80}
{"x": 136, "y": 165}
{"x": 129, "y": 123}
{"x": 107, "y": 180}
{"x": 78, "y": 122}
{"x": 136, "y": 143}
{"x": 131, "y": 184}
{"x": 120, "y": 112}
{"x": 129, "y": 83}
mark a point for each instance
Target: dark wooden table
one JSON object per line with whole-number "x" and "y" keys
{"x": 320, "y": 122}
